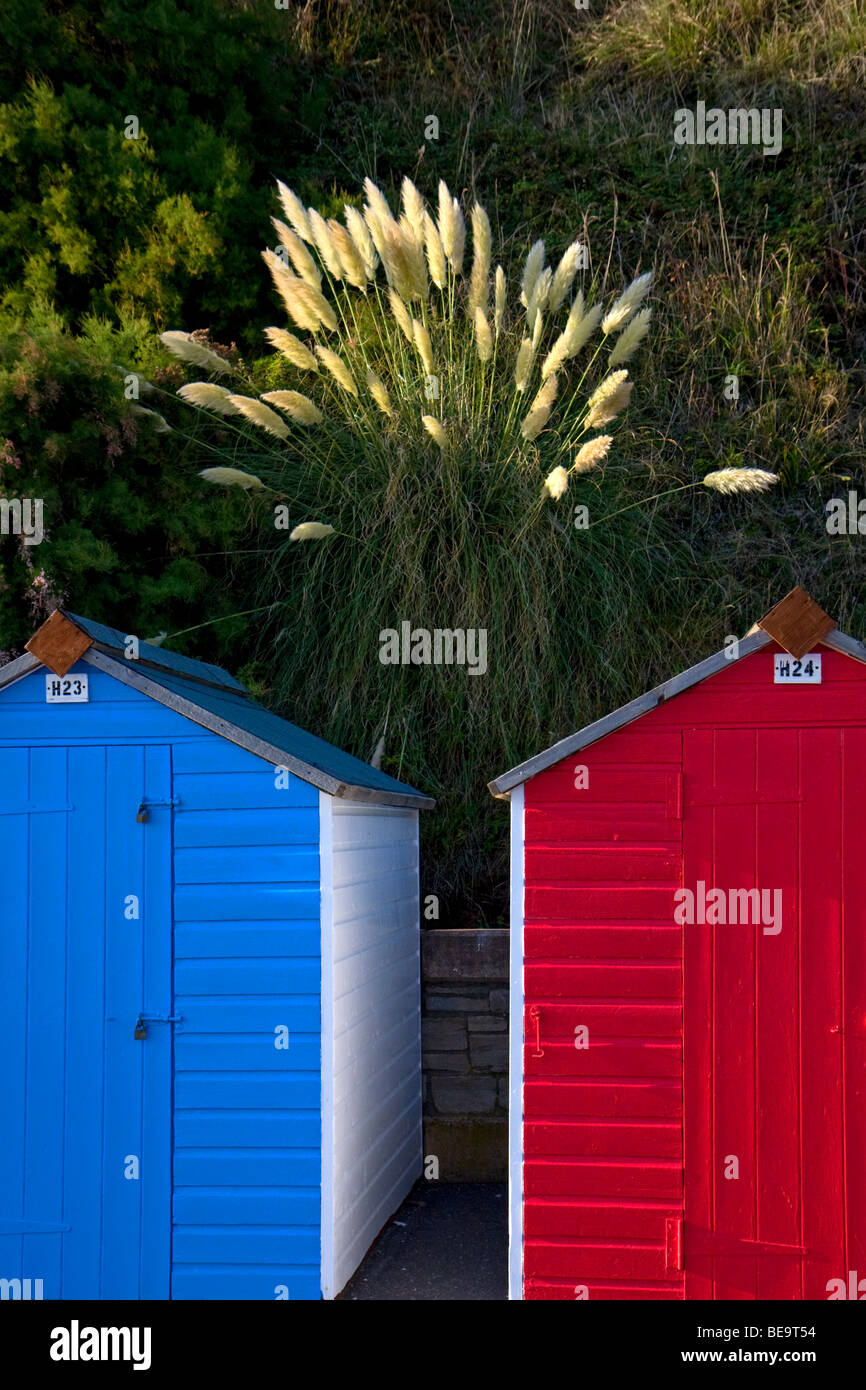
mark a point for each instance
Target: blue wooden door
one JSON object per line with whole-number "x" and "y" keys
{"x": 85, "y": 946}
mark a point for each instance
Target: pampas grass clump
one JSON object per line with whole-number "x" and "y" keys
{"x": 414, "y": 343}
{"x": 428, "y": 410}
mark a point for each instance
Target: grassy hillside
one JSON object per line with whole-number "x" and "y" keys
{"x": 561, "y": 121}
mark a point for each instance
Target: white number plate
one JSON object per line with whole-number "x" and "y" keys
{"x": 792, "y": 670}
{"x": 66, "y": 690}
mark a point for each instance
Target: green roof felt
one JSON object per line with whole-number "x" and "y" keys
{"x": 213, "y": 690}
{"x": 187, "y": 666}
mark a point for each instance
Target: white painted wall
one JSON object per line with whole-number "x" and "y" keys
{"x": 371, "y": 1026}
{"x": 515, "y": 1055}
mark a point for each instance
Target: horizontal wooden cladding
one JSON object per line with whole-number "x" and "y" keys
{"x": 654, "y": 1099}
{"x": 251, "y": 864}
{"x": 205, "y": 1014}
{"x": 215, "y": 940}
{"x": 247, "y": 1206}
{"x": 244, "y": 1090}
{"x": 227, "y": 902}
{"x": 550, "y": 1291}
{"x": 247, "y": 1245}
{"x": 582, "y": 1261}
{"x": 578, "y": 980}
{"x": 638, "y": 743}
{"x": 250, "y": 1129}
{"x": 757, "y": 669}
{"x": 750, "y": 706}
{"x": 252, "y": 1052}
{"x": 609, "y": 1177}
{"x": 620, "y": 1057}
{"x": 601, "y": 782}
{"x": 616, "y": 903}
{"x": 635, "y": 1020}
{"x": 632, "y": 941}
{"x": 230, "y": 791}
{"x": 598, "y": 1219}
{"x": 253, "y": 827}
{"x": 233, "y": 1283}
{"x": 275, "y": 975}
{"x": 575, "y": 863}
{"x": 96, "y": 723}
{"x": 242, "y": 1167}
{"x": 621, "y": 823}
{"x": 596, "y": 1139}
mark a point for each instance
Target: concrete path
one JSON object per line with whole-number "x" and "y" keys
{"x": 447, "y": 1241}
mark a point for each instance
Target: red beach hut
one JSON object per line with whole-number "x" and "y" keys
{"x": 688, "y": 1026}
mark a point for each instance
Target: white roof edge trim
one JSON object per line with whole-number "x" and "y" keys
{"x": 15, "y": 670}
{"x": 710, "y": 666}
{"x": 271, "y": 754}
{"x": 841, "y": 642}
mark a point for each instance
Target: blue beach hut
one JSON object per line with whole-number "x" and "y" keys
{"x": 209, "y": 984}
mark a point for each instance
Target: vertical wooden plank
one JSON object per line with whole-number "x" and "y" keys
{"x": 85, "y": 1024}
{"x": 156, "y": 1052}
{"x": 821, "y": 1017}
{"x": 46, "y": 1018}
{"x": 14, "y": 845}
{"x": 734, "y": 1011}
{"x": 124, "y": 1061}
{"x": 698, "y": 1108}
{"x": 854, "y": 996}
{"x": 778, "y": 1007}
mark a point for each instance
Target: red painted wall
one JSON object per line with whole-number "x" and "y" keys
{"x": 742, "y": 784}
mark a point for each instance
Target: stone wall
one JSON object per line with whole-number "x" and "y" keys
{"x": 464, "y": 1030}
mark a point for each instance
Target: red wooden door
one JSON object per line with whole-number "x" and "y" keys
{"x": 774, "y": 1012}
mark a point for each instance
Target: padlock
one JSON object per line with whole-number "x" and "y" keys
{"x": 140, "y": 1030}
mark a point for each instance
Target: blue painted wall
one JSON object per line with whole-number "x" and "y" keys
{"x": 235, "y": 868}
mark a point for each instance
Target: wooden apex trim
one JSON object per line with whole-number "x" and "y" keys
{"x": 797, "y": 623}
{"x": 58, "y": 643}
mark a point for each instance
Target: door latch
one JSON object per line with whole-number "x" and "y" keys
{"x": 673, "y": 1244}
{"x": 142, "y": 815}
{"x": 535, "y": 1015}
{"x": 143, "y": 1019}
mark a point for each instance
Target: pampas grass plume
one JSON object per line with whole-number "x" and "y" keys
{"x": 232, "y": 477}
{"x": 731, "y": 480}
{"x": 311, "y": 531}
{"x": 591, "y": 454}
{"x": 379, "y": 392}
{"x": 338, "y": 369}
{"x": 300, "y": 407}
{"x": 435, "y": 430}
{"x": 483, "y": 336}
{"x": 208, "y": 396}
{"x": 631, "y": 338}
{"x": 260, "y": 415}
{"x": 556, "y": 482}
{"x": 184, "y": 345}
{"x": 292, "y": 348}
